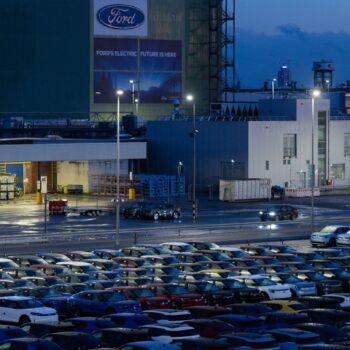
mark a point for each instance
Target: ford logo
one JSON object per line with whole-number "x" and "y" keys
{"x": 120, "y": 16}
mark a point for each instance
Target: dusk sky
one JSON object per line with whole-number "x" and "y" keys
{"x": 296, "y": 32}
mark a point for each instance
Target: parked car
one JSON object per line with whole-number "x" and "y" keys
{"x": 210, "y": 328}
{"x": 269, "y": 289}
{"x": 343, "y": 239}
{"x": 49, "y": 297}
{"x": 90, "y": 324}
{"x": 327, "y": 333}
{"x": 22, "y": 310}
{"x": 148, "y": 345}
{"x": 98, "y": 302}
{"x": 202, "y": 344}
{"x": 251, "y": 340}
{"x": 298, "y": 336}
{"x": 168, "y": 315}
{"x": 279, "y": 212}
{"x": 39, "y": 329}
{"x": 129, "y": 320}
{"x": 170, "y": 332}
{"x": 327, "y": 236}
{"x": 8, "y": 332}
{"x": 115, "y": 337}
{"x": 29, "y": 344}
{"x": 157, "y": 211}
{"x": 73, "y": 340}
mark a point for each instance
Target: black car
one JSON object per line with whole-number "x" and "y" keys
{"x": 158, "y": 211}
{"x": 279, "y": 212}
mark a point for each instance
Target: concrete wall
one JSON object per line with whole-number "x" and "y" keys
{"x": 73, "y": 173}
{"x": 266, "y": 144}
{"x": 336, "y": 146}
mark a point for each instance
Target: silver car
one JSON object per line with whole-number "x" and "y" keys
{"x": 328, "y": 235}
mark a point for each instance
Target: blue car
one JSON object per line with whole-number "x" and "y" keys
{"x": 47, "y": 296}
{"x": 148, "y": 345}
{"x": 128, "y": 320}
{"x": 29, "y": 344}
{"x": 9, "y": 332}
{"x": 90, "y": 324}
{"x": 101, "y": 302}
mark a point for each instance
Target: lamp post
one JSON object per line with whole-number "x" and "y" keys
{"x": 117, "y": 205}
{"x": 314, "y": 94}
{"x": 137, "y": 106}
{"x": 232, "y": 165}
{"x": 132, "y": 82}
{"x": 273, "y": 88}
{"x": 190, "y": 98}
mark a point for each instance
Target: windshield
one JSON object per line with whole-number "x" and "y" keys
{"x": 208, "y": 287}
{"x": 264, "y": 282}
{"x": 49, "y": 293}
{"x": 143, "y": 293}
{"x": 87, "y": 268}
{"x": 27, "y": 304}
{"x": 234, "y": 284}
{"x": 329, "y": 229}
{"x": 110, "y": 297}
{"x": 290, "y": 279}
{"x": 176, "y": 290}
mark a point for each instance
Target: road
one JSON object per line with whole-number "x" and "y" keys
{"x": 218, "y": 221}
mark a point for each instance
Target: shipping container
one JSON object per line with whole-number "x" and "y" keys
{"x": 242, "y": 190}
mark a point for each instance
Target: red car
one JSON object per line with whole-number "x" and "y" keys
{"x": 145, "y": 296}
{"x": 179, "y": 296}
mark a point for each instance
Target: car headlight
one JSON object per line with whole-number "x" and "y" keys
{"x": 272, "y": 213}
{"x": 261, "y": 212}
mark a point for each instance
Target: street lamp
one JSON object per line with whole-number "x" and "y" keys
{"x": 117, "y": 206}
{"x": 190, "y": 98}
{"x": 273, "y": 88}
{"x": 232, "y": 164}
{"x": 132, "y": 82}
{"x": 314, "y": 94}
{"x": 137, "y": 105}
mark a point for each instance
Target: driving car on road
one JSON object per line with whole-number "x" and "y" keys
{"x": 157, "y": 211}
{"x": 328, "y": 235}
{"x": 279, "y": 212}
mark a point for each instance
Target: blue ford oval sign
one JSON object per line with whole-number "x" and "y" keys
{"x": 120, "y": 17}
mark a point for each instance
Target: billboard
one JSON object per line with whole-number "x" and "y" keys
{"x": 120, "y": 17}
{"x": 155, "y": 66}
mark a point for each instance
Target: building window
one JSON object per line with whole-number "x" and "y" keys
{"x": 289, "y": 145}
{"x": 338, "y": 171}
{"x": 267, "y": 165}
{"x": 346, "y": 144}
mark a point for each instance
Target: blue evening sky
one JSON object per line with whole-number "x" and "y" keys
{"x": 297, "y": 32}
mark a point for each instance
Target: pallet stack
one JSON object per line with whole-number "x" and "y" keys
{"x": 7, "y": 186}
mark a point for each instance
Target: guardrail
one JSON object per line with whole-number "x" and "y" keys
{"x": 221, "y": 233}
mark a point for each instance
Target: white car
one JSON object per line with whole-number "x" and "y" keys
{"x": 166, "y": 333}
{"x": 168, "y": 315}
{"x": 21, "y": 310}
{"x": 269, "y": 290}
{"x": 328, "y": 235}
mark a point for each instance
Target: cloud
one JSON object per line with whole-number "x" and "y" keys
{"x": 258, "y": 56}
{"x": 290, "y": 29}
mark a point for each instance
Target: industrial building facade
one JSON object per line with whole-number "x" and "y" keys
{"x": 278, "y": 146}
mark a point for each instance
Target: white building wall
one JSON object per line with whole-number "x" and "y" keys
{"x": 338, "y": 128}
{"x": 266, "y": 144}
{"x": 73, "y": 173}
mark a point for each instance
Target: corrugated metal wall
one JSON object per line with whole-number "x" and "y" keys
{"x": 170, "y": 142}
{"x": 44, "y": 65}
